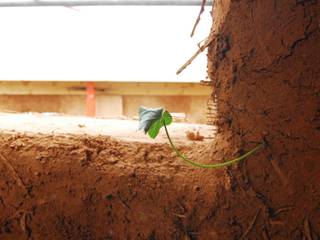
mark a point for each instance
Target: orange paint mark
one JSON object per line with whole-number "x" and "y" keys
{"x": 90, "y": 100}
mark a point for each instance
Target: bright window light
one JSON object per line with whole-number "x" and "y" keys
{"x": 101, "y": 43}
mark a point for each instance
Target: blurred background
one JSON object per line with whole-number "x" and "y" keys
{"x": 102, "y": 58}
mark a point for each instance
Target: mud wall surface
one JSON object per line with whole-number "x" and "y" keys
{"x": 264, "y": 66}
{"x": 97, "y": 188}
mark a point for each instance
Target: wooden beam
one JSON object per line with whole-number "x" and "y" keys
{"x": 103, "y": 88}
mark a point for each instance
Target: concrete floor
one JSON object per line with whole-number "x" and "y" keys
{"x": 49, "y": 123}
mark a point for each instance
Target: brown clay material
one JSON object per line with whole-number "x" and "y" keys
{"x": 81, "y": 187}
{"x": 264, "y": 67}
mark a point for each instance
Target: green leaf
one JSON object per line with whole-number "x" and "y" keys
{"x": 147, "y": 116}
{"x": 152, "y": 120}
{"x": 155, "y": 128}
{"x": 167, "y": 118}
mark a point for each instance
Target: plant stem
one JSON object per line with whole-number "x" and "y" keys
{"x": 214, "y": 165}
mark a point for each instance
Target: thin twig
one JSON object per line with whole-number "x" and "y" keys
{"x": 23, "y": 221}
{"x": 123, "y": 202}
{"x": 199, "y": 17}
{"x": 251, "y": 225}
{"x": 307, "y": 229}
{"x": 200, "y": 50}
{"x": 179, "y": 215}
{"x": 13, "y": 172}
{"x": 282, "y": 177}
{"x": 284, "y": 209}
{"x": 265, "y": 235}
{"x": 277, "y": 222}
{"x": 203, "y": 40}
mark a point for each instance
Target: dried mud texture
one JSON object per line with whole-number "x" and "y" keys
{"x": 81, "y": 188}
{"x": 264, "y": 66}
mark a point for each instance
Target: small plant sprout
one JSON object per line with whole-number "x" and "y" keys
{"x": 151, "y": 120}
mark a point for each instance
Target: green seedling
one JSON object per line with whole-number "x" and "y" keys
{"x": 152, "y": 120}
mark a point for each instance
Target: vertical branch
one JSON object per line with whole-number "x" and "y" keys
{"x": 199, "y": 17}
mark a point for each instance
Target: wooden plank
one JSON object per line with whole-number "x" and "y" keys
{"x": 103, "y": 88}
{"x": 178, "y": 80}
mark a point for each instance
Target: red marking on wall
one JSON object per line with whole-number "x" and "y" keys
{"x": 90, "y": 100}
